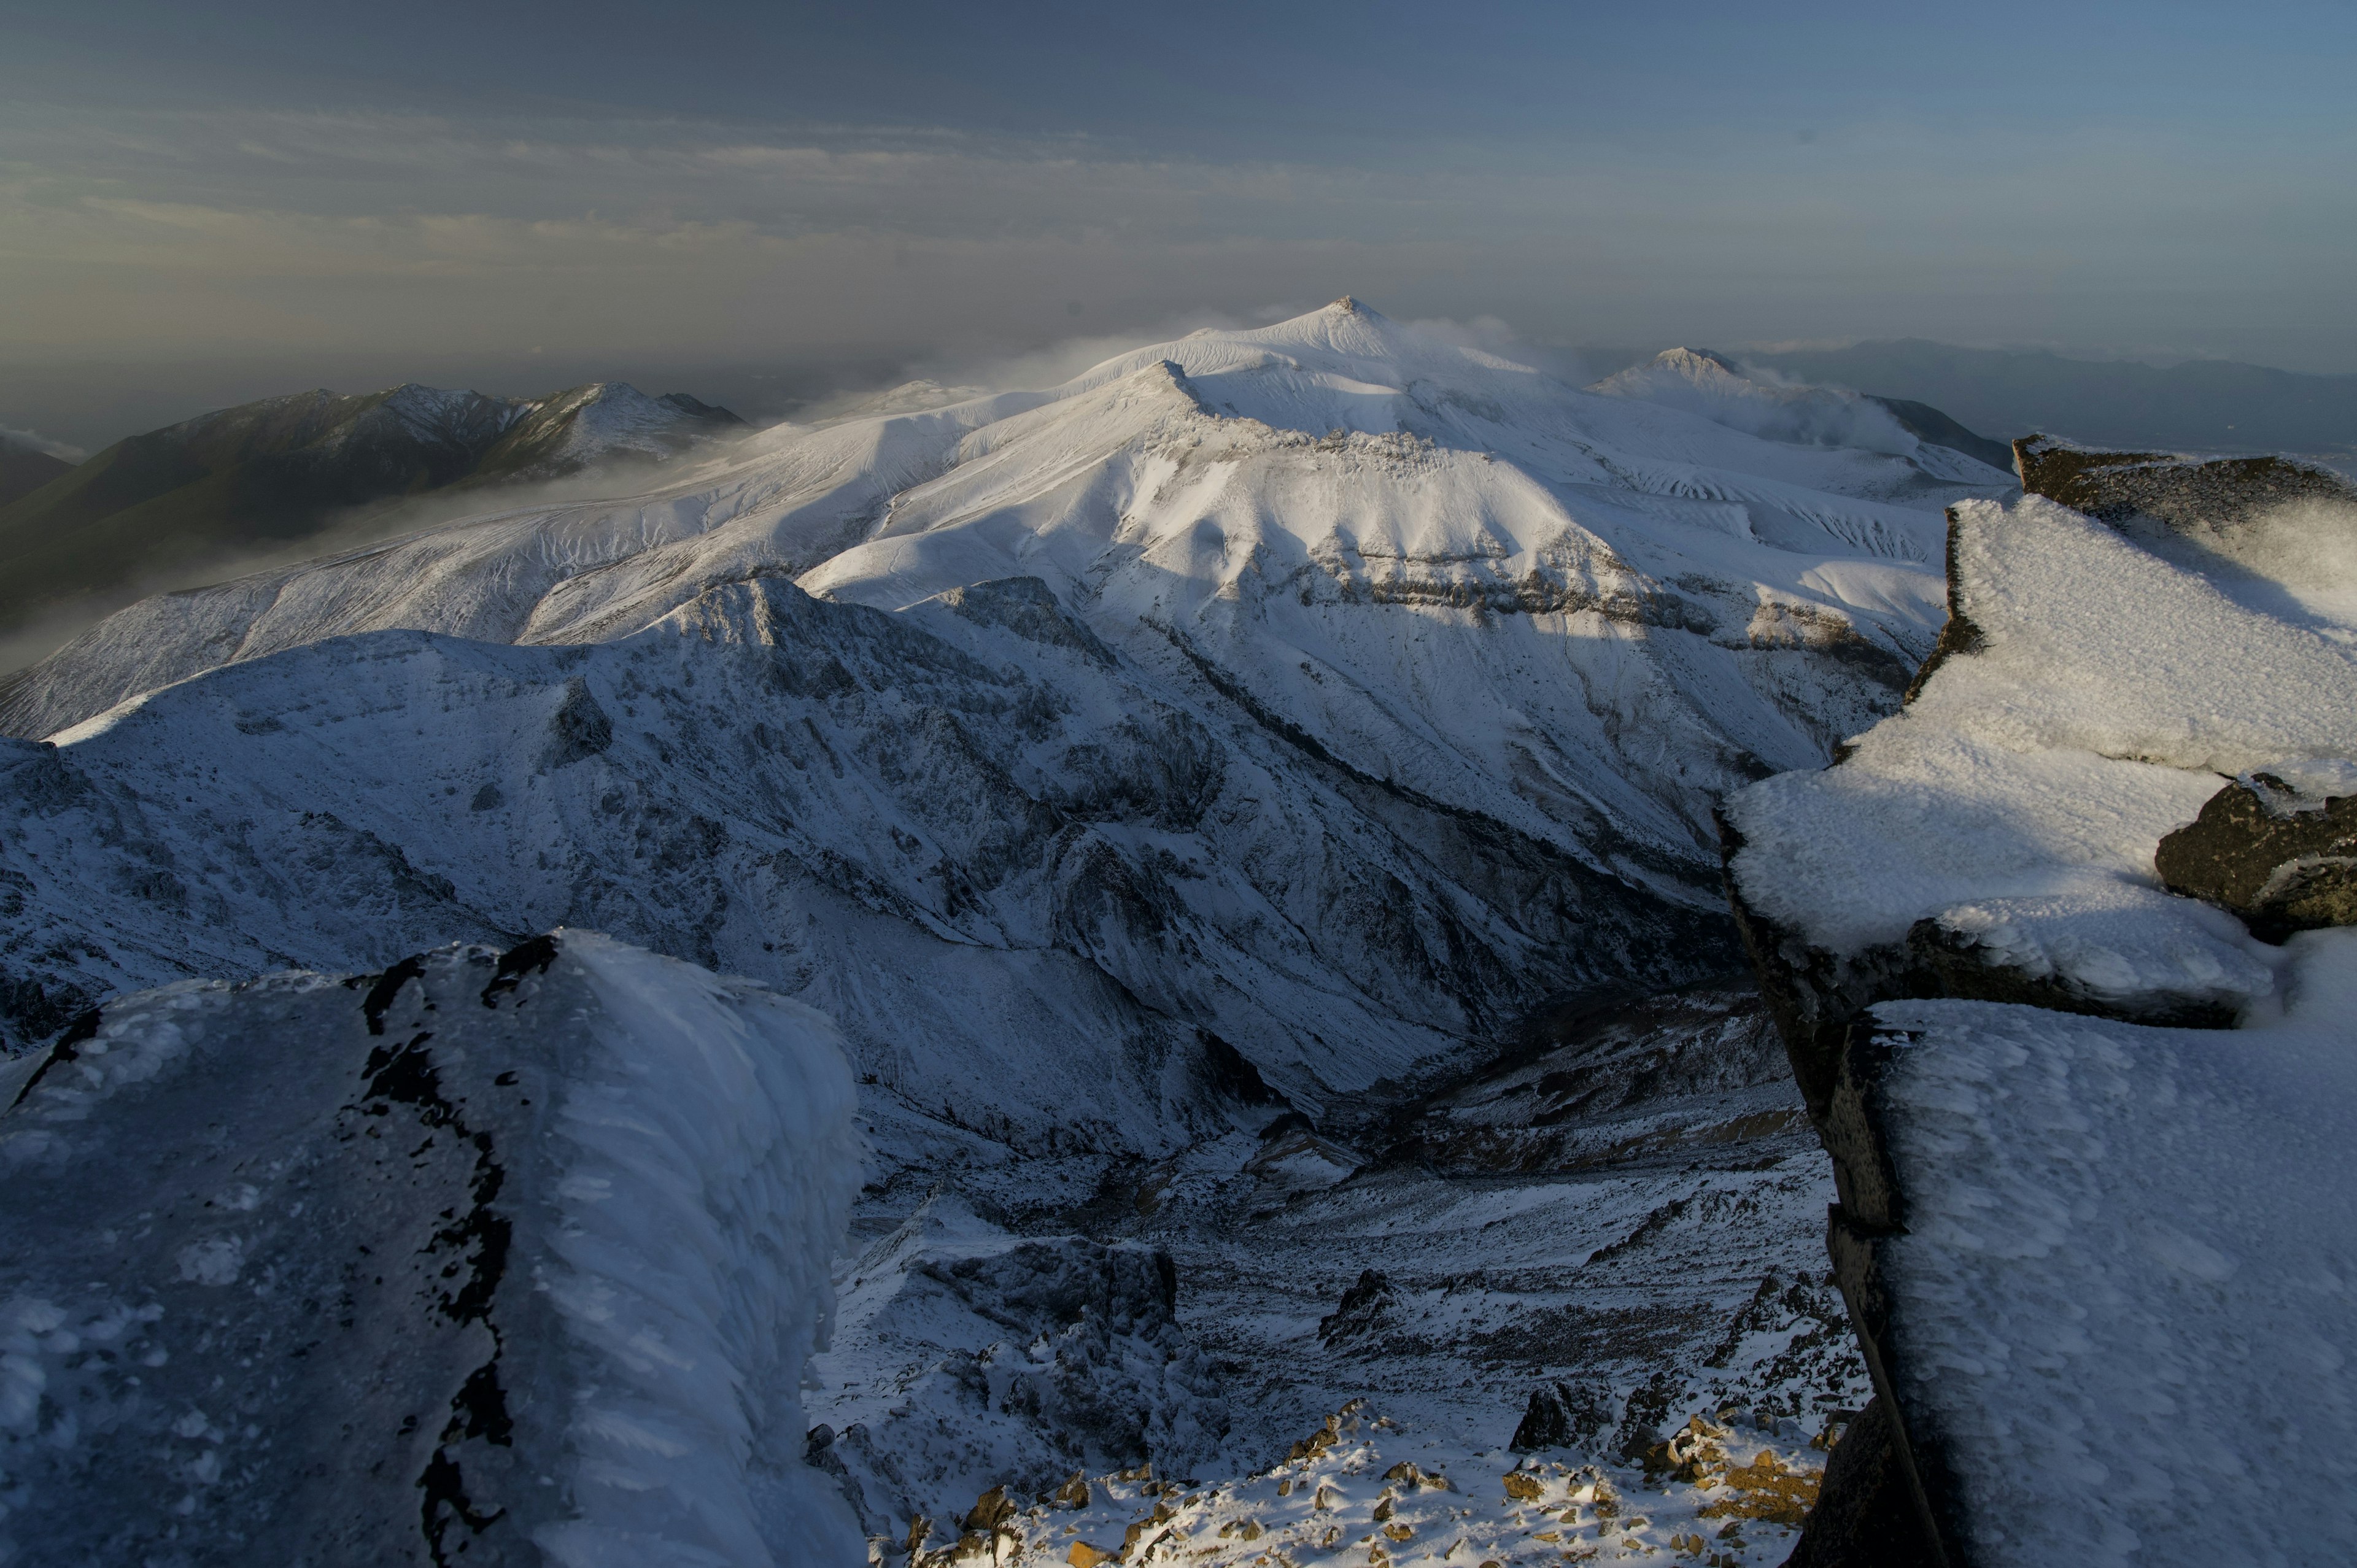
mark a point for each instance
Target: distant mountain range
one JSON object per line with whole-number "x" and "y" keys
{"x": 2201, "y": 405}
{"x": 271, "y": 474}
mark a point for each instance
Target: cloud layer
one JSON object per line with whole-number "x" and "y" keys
{"x": 196, "y": 232}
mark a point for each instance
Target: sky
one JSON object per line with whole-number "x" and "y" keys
{"x": 200, "y": 203}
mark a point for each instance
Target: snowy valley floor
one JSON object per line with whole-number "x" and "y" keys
{"x": 1628, "y": 1213}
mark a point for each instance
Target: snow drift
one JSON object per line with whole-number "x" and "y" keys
{"x": 489, "y": 1257}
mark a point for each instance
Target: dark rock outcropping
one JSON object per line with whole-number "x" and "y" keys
{"x": 2282, "y": 860}
{"x": 2185, "y": 493}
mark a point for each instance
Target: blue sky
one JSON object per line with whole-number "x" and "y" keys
{"x": 332, "y": 184}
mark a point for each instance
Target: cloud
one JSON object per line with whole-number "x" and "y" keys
{"x": 34, "y": 441}
{"x": 200, "y": 232}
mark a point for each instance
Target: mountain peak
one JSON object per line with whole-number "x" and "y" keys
{"x": 1697, "y": 361}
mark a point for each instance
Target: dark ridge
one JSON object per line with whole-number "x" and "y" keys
{"x": 82, "y": 1028}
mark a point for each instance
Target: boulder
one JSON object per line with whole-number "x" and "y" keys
{"x": 2283, "y": 858}
{"x": 1561, "y": 1415}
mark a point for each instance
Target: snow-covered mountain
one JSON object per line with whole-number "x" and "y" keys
{"x": 1765, "y": 404}
{"x": 1228, "y": 741}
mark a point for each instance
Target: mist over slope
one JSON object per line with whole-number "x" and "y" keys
{"x": 274, "y": 474}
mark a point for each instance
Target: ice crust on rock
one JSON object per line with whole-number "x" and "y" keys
{"x": 2096, "y": 694}
{"x": 510, "y": 1258}
{"x": 2119, "y": 1286}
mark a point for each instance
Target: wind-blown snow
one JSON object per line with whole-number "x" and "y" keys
{"x": 2123, "y": 1308}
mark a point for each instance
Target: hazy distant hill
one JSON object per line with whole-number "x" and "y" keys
{"x": 2201, "y": 404}
{"x": 22, "y": 472}
{"x": 281, "y": 470}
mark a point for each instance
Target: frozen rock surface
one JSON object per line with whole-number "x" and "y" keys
{"x": 488, "y": 1258}
{"x": 2078, "y": 1245}
{"x": 1998, "y": 838}
{"x": 2101, "y": 1270}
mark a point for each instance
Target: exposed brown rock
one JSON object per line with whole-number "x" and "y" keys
{"x": 2282, "y": 863}
{"x": 2182, "y": 493}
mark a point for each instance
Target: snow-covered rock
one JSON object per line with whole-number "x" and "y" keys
{"x": 488, "y": 1258}
{"x": 2099, "y": 1276}
{"x": 1997, "y": 837}
{"x": 2080, "y": 1251}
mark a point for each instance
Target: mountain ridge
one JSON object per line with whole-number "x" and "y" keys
{"x": 279, "y": 470}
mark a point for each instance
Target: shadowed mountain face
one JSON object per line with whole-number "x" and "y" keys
{"x": 270, "y": 473}
{"x": 22, "y": 473}
{"x": 2203, "y": 404}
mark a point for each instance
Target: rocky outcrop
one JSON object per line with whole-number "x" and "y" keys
{"x": 2197, "y": 493}
{"x": 1561, "y": 1415}
{"x": 2281, "y": 859}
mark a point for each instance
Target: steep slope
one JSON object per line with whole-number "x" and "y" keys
{"x": 1032, "y": 890}
{"x": 271, "y": 473}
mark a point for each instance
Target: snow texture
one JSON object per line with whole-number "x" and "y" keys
{"x": 2125, "y": 1310}
{"x": 2017, "y": 802}
{"x": 515, "y": 1257}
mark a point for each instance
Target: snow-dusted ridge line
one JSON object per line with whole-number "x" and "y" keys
{"x": 487, "y": 1256}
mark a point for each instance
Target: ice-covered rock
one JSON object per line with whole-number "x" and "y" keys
{"x": 488, "y": 1258}
{"x": 2095, "y": 1273}
{"x": 2075, "y": 1242}
{"x": 1997, "y": 838}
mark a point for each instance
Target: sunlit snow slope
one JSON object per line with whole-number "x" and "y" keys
{"x": 1248, "y": 719}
